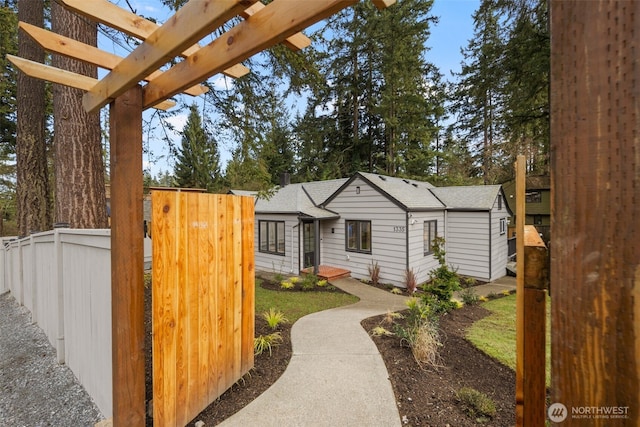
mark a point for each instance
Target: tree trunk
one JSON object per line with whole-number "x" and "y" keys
{"x": 79, "y": 168}
{"x": 33, "y": 204}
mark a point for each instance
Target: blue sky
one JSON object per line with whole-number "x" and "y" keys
{"x": 452, "y": 33}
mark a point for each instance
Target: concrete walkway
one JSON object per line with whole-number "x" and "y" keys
{"x": 336, "y": 376}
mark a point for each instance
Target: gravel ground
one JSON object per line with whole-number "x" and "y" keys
{"x": 34, "y": 389}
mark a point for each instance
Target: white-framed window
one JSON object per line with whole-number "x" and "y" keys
{"x": 503, "y": 225}
{"x": 429, "y": 234}
{"x": 358, "y": 236}
{"x": 271, "y": 237}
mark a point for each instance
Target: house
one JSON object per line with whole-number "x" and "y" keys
{"x": 537, "y": 204}
{"x": 369, "y": 218}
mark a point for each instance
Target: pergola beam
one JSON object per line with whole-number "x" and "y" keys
{"x": 297, "y": 41}
{"x": 129, "y": 23}
{"x": 67, "y": 78}
{"x": 190, "y": 23}
{"x": 269, "y": 26}
{"x": 66, "y": 46}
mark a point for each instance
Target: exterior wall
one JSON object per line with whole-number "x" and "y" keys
{"x": 388, "y": 234}
{"x": 290, "y": 262}
{"x": 499, "y": 242}
{"x": 420, "y": 263}
{"x": 474, "y": 244}
{"x": 467, "y": 243}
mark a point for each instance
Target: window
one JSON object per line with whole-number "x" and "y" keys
{"x": 499, "y": 202}
{"x": 358, "y": 236}
{"x": 537, "y": 220}
{"x": 533, "y": 197}
{"x": 503, "y": 225}
{"x": 271, "y": 237}
{"x": 429, "y": 235}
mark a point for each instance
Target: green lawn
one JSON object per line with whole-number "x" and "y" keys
{"x": 295, "y": 305}
{"x": 496, "y": 333}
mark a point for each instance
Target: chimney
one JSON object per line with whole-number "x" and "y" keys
{"x": 285, "y": 179}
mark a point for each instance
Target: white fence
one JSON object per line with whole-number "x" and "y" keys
{"x": 64, "y": 278}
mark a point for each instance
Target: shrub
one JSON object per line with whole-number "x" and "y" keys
{"x": 266, "y": 342}
{"x": 309, "y": 282}
{"x": 410, "y": 280}
{"x": 443, "y": 280}
{"x": 286, "y": 285}
{"x": 380, "y": 331}
{"x": 294, "y": 279}
{"x": 396, "y": 291}
{"x": 468, "y": 296}
{"x": 374, "y": 273}
{"x": 391, "y": 316}
{"x": 426, "y": 344}
{"x": 274, "y": 318}
{"x": 322, "y": 283}
{"x": 477, "y": 404}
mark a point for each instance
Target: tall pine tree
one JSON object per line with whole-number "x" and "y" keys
{"x": 198, "y": 160}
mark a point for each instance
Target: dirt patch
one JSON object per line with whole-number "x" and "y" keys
{"x": 427, "y": 396}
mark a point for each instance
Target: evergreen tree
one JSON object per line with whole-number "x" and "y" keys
{"x": 80, "y": 197}
{"x": 32, "y": 183}
{"x": 9, "y": 43}
{"x": 527, "y": 65}
{"x": 479, "y": 101}
{"x": 198, "y": 159}
{"x": 373, "y": 113}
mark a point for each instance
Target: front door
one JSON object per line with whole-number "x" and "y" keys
{"x": 308, "y": 244}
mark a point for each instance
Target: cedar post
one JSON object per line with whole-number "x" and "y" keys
{"x": 530, "y": 313}
{"x": 127, "y": 259}
{"x": 595, "y": 254}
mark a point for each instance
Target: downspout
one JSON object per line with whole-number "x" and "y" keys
{"x": 292, "y": 265}
{"x": 406, "y": 250}
{"x": 316, "y": 261}
{"x": 490, "y": 246}
{"x": 446, "y": 231}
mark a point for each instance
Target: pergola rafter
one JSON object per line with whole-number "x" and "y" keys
{"x": 263, "y": 27}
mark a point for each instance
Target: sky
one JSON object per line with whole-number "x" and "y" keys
{"x": 453, "y": 31}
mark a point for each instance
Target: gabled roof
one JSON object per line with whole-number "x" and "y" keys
{"x": 304, "y": 199}
{"x": 407, "y": 193}
{"x": 471, "y": 197}
{"x": 310, "y": 198}
{"x": 243, "y": 193}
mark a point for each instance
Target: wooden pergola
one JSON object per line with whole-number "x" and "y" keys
{"x": 595, "y": 102}
{"x": 136, "y": 83}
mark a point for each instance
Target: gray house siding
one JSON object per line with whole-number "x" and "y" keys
{"x": 290, "y": 262}
{"x": 388, "y": 234}
{"x": 499, "y": 243}
{"x": 420, "y": 263}
{"x": 467, "y": 243}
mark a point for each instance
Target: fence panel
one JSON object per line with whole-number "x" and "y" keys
{"x": 203, "y": 300}
{"x": 87, "y": 311}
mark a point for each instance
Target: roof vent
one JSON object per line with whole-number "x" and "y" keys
{"x": 406, "y": 181}
{"x": 384, "y": 178}
{"x": 415, "y": 185}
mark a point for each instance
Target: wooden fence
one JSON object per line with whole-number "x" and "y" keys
{"x": 203, "y": 300}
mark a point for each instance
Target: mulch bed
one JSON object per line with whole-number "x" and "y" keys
{"x": 425, "y": 396}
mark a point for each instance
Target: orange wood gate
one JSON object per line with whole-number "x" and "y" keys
{"x": 203, "y": 300}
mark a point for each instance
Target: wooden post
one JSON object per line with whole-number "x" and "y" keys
{"x": 595, "y": 211}
{"x": 531, "y": 265}
{"x": 127, "y": 259}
